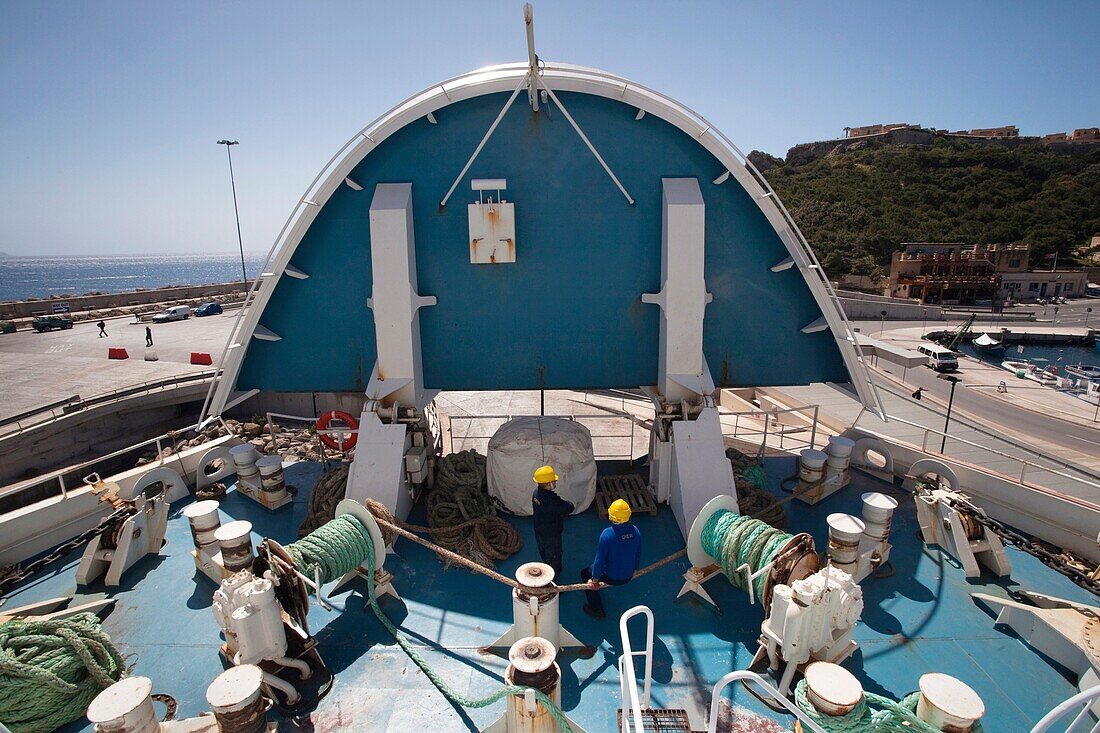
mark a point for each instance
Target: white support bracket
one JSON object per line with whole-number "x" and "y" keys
{"x": 141, "y": 534}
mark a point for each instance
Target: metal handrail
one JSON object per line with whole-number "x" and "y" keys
{"x": 59, "y": 474}
{"x": 1025, "y": 464}
{"x": 573, "y": 418}
{"x": 744, "y": 674}
{"x": 768, "y": 415}
{"x": 1086, "y": 699}
{"x": 628, "y": 679}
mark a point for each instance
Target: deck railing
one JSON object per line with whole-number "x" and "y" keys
{"x": 761, "y": 424}
{"x": 1025, "y": 464}
{"x": 459, "y": 440}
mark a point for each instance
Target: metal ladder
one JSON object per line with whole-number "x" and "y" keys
{"x": 636, "y": 715}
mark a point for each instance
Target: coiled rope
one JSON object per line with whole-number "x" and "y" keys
{"x": 461, "y": 516}
{"x": 873, "y": 714}
{"x": 342, "y": 545}
{"x": 51, "y": 670}
{"x": 737, "y": 539}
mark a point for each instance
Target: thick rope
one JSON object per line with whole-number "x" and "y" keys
{"x": 342, "y": 545}
{"x": 736, "y": 539}
{"x": 51, "y": 670}
{"x": 873, "y": 714}
{"x": 326, "y": 494}
{"x": 461, "y": 516}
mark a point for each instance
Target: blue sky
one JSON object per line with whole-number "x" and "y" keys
{"x": 109, "y": 111}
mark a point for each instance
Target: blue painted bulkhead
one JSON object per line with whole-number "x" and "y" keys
{"x": 568, "y": 313}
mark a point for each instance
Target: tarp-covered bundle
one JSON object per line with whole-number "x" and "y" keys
{"x": 525, "y": 443}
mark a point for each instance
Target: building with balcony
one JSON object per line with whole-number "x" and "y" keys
{"x": 953, "y": 273}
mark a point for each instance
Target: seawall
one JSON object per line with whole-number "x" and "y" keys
{"x": 13, "y": 309}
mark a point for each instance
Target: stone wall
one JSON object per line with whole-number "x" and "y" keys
{"x": 27, "y": 308}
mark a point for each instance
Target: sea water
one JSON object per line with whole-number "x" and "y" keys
{"x": 1060, "y": 356}
{"x": 41, "y": 277}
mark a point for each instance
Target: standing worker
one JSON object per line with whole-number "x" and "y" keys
{"x": 148, "y": 336}
{"x": 549, "y": 511}
{"x": 102, "y": 329}
{"x": 617, "y": 556}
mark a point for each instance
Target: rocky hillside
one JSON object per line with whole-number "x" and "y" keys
{"x": 856, "y": 203}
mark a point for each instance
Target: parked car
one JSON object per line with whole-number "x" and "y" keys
{"x": 208, "y": 309}
{"x": 175, "y": 313}
{"x": 49, "y": 323}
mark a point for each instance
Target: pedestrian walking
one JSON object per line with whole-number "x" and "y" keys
{"x": 549, "y": 512}
{"x": 102, "y": 329}
{"x": 148, "y": 336}
{"x": 617, "y": 556}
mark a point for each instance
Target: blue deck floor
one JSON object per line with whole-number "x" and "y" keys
{"x": 920, "y": 620}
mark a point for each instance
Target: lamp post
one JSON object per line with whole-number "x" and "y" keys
{"x": 950, "y": 401}
{"x": 1087, "y": 311}
{"x": 924, "y": 320}
{"x": 236, "y": 213}
{"x": 881, "y": 321}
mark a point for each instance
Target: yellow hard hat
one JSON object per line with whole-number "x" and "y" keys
{"x": 619, "y": 511}
{"x": 545, "y": 474}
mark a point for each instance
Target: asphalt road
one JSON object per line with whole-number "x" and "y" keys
{"x": 39, "y": 368}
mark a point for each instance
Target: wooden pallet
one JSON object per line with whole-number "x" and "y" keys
{"x": 631, "y": 488}
{"x": 661, "y": 720}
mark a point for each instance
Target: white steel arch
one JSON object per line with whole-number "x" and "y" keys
{"x": 559, "y": 77}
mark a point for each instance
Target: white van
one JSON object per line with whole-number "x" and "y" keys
{"x": 939, "y": 358}
{"x": 175, "y": 313}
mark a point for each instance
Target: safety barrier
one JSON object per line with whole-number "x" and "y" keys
{"x": 461, "y": 440}
{"x": 117, "y": 352}
{"x": 201, "y": 358}
{"x": 763, "y": 424}
{"x": 628, "y": 677}
{"x": 767, "y": 691}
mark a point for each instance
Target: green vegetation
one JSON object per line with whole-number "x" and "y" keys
{"x": 856, "y": 207}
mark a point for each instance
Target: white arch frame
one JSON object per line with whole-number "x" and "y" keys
{"x": 560, "y": 77}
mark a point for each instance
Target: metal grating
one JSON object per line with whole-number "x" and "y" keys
{"x": 630, "y": 488}
{"x": 661, "y": 720}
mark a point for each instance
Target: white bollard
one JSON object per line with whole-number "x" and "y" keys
{"x": 531, "y": 664}
{"x": 845, "y": 532}
{"x": 831, "y": 689}
{"x": 236, "y": 698}
{"x": 948, "y": 704}
{"x": 536, "y": 614}
{"x": 272, "y": 483}
{"x": 839, "y": 451}
{"x": 811, "y": 465}
{"x": 235, "y": 540}
{"x": 203, "y": 518}
{"x": 125, "y": 707}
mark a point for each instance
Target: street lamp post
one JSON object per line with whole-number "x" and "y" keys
{"x": 1087, "y": 311}
{"x": 924, "y": 320}
{"x": 236, "y": 213}
{"x": 881, "y": 321}
{"x": 950, "y": 401}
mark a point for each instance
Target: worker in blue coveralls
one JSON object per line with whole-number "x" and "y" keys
{"x": 549, "y": 511}
{"x": 617, "y": 556}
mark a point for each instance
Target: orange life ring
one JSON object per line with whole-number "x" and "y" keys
{"x": 330, "y": 440}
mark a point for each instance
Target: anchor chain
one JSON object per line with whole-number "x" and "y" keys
{"x": 13, "y": 575}
{"x": 1077, "y": 569}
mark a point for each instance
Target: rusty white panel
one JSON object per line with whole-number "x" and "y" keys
{"x": 492, "y": 233}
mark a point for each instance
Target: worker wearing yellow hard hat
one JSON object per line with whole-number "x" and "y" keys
{"x": 549, "y": 511}
{"x": 618, "y": 555}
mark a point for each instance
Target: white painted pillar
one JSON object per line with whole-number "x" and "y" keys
{"x": 394, "y": 298}
{"x": 682, "y": 372}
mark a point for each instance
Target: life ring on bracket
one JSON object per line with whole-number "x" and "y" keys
{"x": 330, "y": 440}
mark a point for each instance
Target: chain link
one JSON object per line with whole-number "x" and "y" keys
{"x": 13, "y": 575}
{"x": 1079, "y": 570}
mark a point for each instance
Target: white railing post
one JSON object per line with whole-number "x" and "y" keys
{"x": 716, "y": 698}
{"x": 627, "y": 673}
{"x": 813, "y": 431}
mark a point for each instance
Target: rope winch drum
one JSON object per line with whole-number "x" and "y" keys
{"x": 792, "y": 557}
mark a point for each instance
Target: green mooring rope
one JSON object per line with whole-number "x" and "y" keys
{"x": 873, "y": 714}
{"x": 342, "y": 545}
{"x": 736, "y": 539}
{"x": 51, "y": 670}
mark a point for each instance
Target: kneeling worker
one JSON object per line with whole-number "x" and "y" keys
{"x": 617, "y": 556}
{"x": 549, "y": 512}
